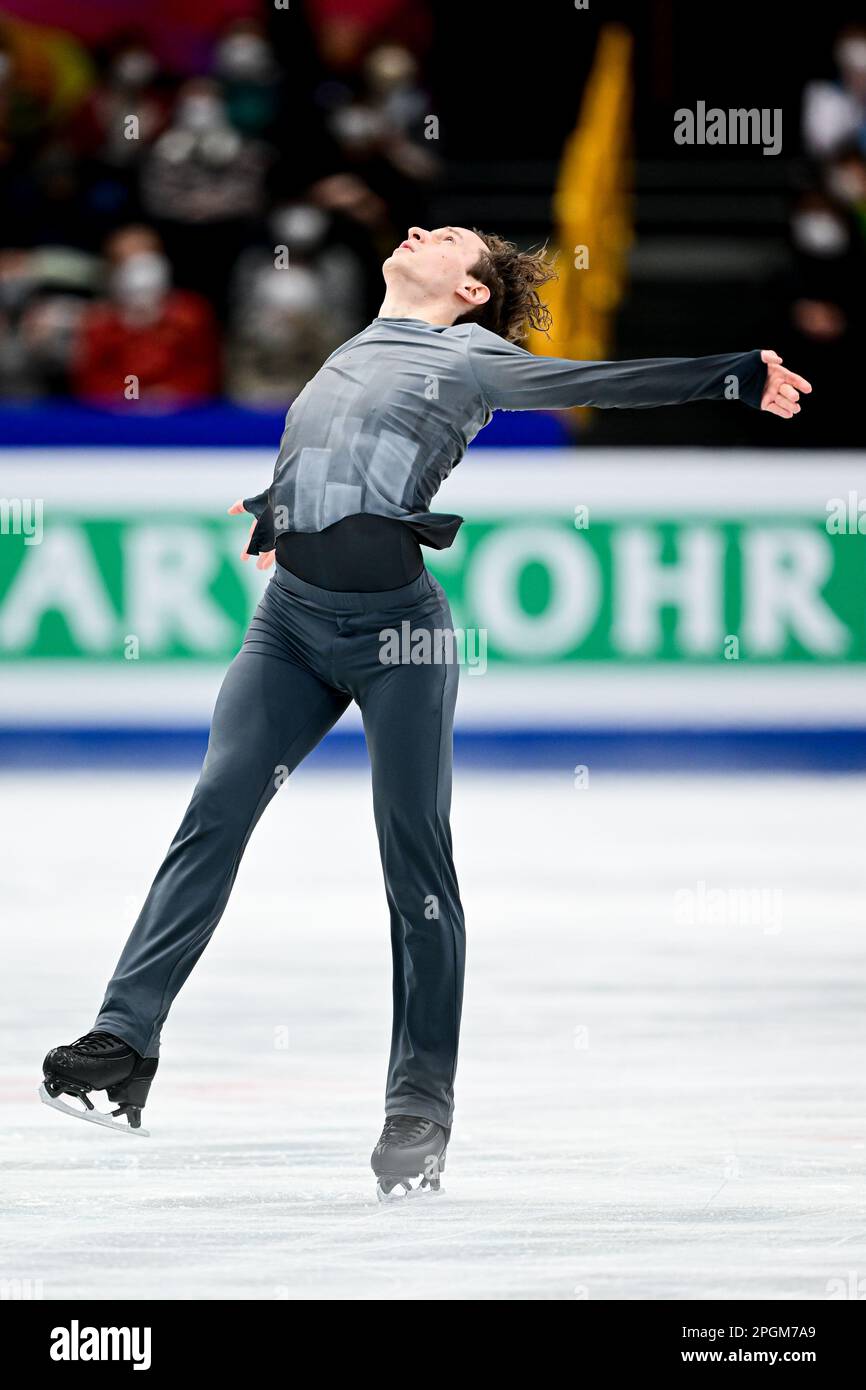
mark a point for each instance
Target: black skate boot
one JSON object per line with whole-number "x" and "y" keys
{"x": 409, "y": 1147}
{"x": 99, "y": 1062}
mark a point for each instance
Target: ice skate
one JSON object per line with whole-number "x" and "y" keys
{"x": 99, "y": 1062}
{"x": 409, "y": 1148}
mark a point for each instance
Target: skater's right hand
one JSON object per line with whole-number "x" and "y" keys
{"x": 266, "y": 559}
{"x": 782, "y": 387}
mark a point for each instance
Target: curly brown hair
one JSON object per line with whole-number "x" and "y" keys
{"x": 514, "y": 278}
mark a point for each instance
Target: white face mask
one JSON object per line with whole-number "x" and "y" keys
{"x": 244, "y": 56}
{"x": 142, "y": 279}
{"x": 299, "y": 228}
{"x": 289, "y": 291}
{"x": 356, "y": 125}
{"x": 851, "y": 55}
{"x": 819, "y": 233}
{"x": 135, "y": 68}
{"x": 200, "y": 113}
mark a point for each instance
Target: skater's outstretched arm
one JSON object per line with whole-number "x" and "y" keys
{"x": 510, "y": 378}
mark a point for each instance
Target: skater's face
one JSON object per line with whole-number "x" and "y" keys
{"x": 436, "y": 266}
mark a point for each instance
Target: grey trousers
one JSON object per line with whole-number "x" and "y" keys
{"x": 307, "y": 654}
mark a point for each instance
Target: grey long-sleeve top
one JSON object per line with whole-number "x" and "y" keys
{"x": 391, "y": 413}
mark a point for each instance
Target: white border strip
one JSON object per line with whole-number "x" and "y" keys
{"x": 591, "y": 695}
{"x": 489, "y": 483}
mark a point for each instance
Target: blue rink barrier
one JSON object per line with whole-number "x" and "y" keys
{"x": 66, "y": 425}
{"x": 816, "y": 750}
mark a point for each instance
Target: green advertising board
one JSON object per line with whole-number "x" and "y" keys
{"x": 564, "y": 566}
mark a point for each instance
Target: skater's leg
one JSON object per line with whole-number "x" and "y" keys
{"x": 408, "y": 713}
{"x": 271, "y": 711}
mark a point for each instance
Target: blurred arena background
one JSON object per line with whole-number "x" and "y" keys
{"x": 197, "y": 200}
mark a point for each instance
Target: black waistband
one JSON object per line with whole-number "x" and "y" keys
{"x": 360, "y": 554}
{"x": 341, "y": 601}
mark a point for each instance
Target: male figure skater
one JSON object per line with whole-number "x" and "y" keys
{"x": 366, "y": 445}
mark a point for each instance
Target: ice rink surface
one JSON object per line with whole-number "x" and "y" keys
{"x": 661, "y": 1084}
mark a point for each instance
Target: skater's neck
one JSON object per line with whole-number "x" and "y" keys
{"x": 398, "y": 305}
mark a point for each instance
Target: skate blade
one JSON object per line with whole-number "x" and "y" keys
{"x": 93, "y": 1117}
{"x": 403, "y": 1191}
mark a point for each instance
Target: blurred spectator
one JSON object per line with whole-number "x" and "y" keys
{"x": 845, "y": 181}
{"x": 129, "y": 89}
{"x": 828, "y": 263}
{"x": 834, "y": 113}
{"x": 164, "y": 340}
{"x": 203, "y": 182}
{"x": 391, "y": 74}
{"x": 202, "y": 169}
{"x": 346, "y": 30}
{"x": 380, "y": 136}
{"x": 43, "y": 295}
{"x": 826, "y": 293}
{"x": 278, "y": 340}
{"x": 122, "y": 116}
{"x": 250, "y": 78}
{"x": 126, "y": 110}
{"x": 279, "y": 333}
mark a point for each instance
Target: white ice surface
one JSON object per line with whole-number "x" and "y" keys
{"x": 646, "y": 1108}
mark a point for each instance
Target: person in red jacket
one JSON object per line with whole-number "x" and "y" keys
{"x": 146, "y": 341}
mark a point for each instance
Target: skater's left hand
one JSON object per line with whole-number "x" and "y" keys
{"x": 782, "y": 391}
{"x": 266, "y": 559}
